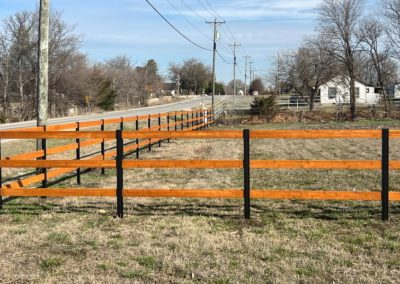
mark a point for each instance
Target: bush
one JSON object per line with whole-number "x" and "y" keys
{"x": 266, "y": 107}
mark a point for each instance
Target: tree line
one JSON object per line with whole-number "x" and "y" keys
{"x": 348, "y": 42}
{"x": 75, "y": 81}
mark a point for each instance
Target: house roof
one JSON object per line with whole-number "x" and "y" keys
{"x": 345, "y": 77}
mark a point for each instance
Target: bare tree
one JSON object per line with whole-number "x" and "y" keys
{"x": 338, "y": 23}
{"x": 372, "y": 37}
{"x": 391, "y": 12}
{"x": 121, "y": 73}
{"x": 194, "y": 75}
{"x": 239, "y": 86}
{"x": 310, "y": 67}
{"x": 5, "y": 69}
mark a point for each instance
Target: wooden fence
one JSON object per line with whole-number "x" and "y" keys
{"x": 180, "y": 120}
{"x": 246, "y": 164}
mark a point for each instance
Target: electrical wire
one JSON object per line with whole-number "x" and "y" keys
{"x": 224, "y": 28}
{"x": 223, "y": 58}
{"x": 178, "y": 31}
{"x": 193, "y": 11}
{"x": 187, "y": 20}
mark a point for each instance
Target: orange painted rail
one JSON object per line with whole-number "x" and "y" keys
{"x": 203, "y": 193}
{"x": 94, "y": 138}
{"x": 155, "y": 134}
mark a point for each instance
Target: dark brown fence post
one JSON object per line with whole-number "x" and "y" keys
{"x": 246, "y": 171}
{"x": 103, "y": 171}
{"x": 120, "y": 174}
{"x": 182, "y": 122}
{"x": 78, "y": 155}
{"x": 121, "y": 124}
{"x": 149, "y": 126}
{"x": 192, "y": 119}
{"x": 159, "y": 128}
{"x": 168, "y": 119}
{"x": 187, "y": 120}
{"x": 137, "y": 139}
{"x": 44, "y": 170}
{"x": 385, "y": 174}
{"x": 176, "y": 125}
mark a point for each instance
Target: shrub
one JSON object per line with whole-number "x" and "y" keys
{"x": 266, "y": 107}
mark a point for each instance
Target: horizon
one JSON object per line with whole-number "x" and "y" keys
{"x": 262, "y": 29}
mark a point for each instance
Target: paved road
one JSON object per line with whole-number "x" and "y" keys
{"x": 115, "y": 114}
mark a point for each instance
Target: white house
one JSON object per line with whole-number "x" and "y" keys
{"x": 337, "y": 91}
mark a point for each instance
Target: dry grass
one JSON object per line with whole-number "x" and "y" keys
{"x": 185, "y": 240}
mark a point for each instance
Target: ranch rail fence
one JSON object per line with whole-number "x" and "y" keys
{"x": 178, "y": 120}
{"x": 246, "y": 164}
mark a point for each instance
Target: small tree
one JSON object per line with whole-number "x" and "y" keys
{"x": 106, "y": 96}
{"x": 266, "y": 107}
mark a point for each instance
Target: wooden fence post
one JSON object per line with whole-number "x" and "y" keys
{"x": 121, "y": 124}
{"x": 246, "y": 171}
{"x": 44, "y": 170}
{"x": 176, "y": 125}
{"x": 385, "y": 174}
{"x": 182, "y": 122}
{"x": 168, "y": 124}
{"x": 137, "y": 139}
{"x": 103, "y": 171}
{"x": 149, "y": 126}
{"x": 78, "y": 155}
{"x": 120, "y": 174}
{"x": 159, "y": 128}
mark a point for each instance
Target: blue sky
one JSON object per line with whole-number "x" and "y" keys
{"x": 130, "y": 27}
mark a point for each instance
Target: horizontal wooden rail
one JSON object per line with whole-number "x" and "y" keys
{"x": 315, "y": 164}
{"x": 228, "y": 134}
{"x": 57, "y": 164}
{"x": 316, "y": 134}
{"x": 57, "y": 192}
{"x": 322, "y": 195}
{"x": 203, "y": 193}
{"x": 57, "y": 134}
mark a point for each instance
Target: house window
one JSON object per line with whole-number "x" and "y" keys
{"x": 332, "y": 92}
{"x": 357, "y": 93}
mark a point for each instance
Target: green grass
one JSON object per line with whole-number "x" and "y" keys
{"x": 207, "y": 240}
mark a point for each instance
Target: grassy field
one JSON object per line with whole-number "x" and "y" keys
{"x": 195, "y": 240}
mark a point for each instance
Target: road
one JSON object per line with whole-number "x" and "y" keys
{"x": 116, "y": 114}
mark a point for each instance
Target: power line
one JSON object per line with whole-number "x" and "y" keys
{"x": 215, "y": 13}
{"x": 212, "y": 9}
{"x": 178, "y": 31}
{"x": 193, "y": 11}
{"x": 187, "y": 20}
{"x": 205, "y": 8}
{"x": 223, "y": 58}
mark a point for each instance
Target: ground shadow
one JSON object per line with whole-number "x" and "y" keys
{"x": 273, "y": 210}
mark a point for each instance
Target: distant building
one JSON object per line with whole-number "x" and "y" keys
{"x": 169, "y": 89}
{"x": 337, "y": 91}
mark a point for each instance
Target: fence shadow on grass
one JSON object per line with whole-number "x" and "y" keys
{"x": 230, "y": 209}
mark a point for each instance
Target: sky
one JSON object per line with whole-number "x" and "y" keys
{"x": 111, "y": 28}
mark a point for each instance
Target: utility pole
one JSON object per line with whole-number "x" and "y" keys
{"x": 216, "y": 24}
{"x": 234, "y": 45}
{"x": 277, "y": 84}
{"x": 43, "y": 65}
{"x": 245, "y": 74}
{"x": 251, "y": 71}
{"x": 178, "y": 83}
